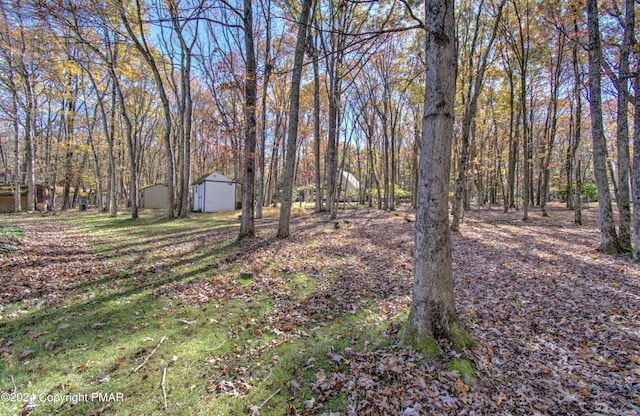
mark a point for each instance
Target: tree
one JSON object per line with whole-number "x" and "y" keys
{"x": 474, "y": 85}
{"x": 294, "y": 109}
{"x": 622, "y": 196}
{"x": 608, "y": 237}
{"x": 636, "y": 170}
{"x": 137, "y": 35}
{"x": 433, "y": 312}
{"x": 574, "y": 141}
{"x": 521, "y": 46}
{"x": 247, "y": 224}
{"x": 20, "y": 69}
{"x": 551, "y": 121}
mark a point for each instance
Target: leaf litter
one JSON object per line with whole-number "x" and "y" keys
{"x": 557, "y": 322}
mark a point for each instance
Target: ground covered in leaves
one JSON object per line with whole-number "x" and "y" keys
{"x": 310, "y": 325}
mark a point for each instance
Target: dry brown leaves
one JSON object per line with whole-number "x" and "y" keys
{"x": 557, "y": 322}
{"x": 48, "y": 265}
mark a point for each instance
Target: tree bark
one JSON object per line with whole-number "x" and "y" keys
{"x": 636, "y": 171}
{"x": 551, "y": 125}
{"x": 263, "y": 130}
{"x": 316, "y": 129}
{"x": 292, "y": 134}
{"x": 578, "y": 198}
{"x": 473, "y": 93}
{"x": 433, "y": 313}
{"x": 247, "y": 225}
{"x": 623, "y": 194}
{"x": 608, "y": 236}
{"x": 577, "y": 129}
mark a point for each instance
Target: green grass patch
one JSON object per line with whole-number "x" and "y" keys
{"x": 10, "y": 235}
{"x": 300, "y": 284}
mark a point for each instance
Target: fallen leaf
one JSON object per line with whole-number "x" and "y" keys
{"x": 25, "y": 353}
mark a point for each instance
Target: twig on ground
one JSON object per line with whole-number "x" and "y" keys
{"x": 269, "y": 398}
{"x": 164, "y": 392}
{"x": 188, "y": 323}
{"x": 149, "y": 356}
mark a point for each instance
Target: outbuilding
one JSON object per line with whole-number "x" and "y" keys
{"x": 155, "y": 196}
{"x": 7, "y": 197}
{"x": 214, "y": 192}
{"x": 350, "y": 187}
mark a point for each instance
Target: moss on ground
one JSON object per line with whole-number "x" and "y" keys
{"x": 465, "y": 368}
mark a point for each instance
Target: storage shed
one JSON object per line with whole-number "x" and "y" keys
{"x": 7, "y": 197}
{"x": 350, "y": 187}
{"x": 154, "y": 196}
{"x": 214, "y": 192}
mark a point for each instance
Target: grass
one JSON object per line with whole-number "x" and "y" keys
{"x": 219, "y": 357}
{"x": 10, "y": 235}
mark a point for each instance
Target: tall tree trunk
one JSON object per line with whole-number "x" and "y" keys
{"x": 316, "y": 128}
{"x": 552, "y": 124}
{"x": 433, "y": 312}
{"x": 263, "y": 124}
{"x": 577, "y": 95}
{"x": 523, "y": 61}
{"x": 149, "y": 57}
{"x": 29, "y": 151}
{"x": 636, "y": 170}
{"x": 247, "y": 224}
{"x": 292, "y": 134}
{"x": 69, "y": 128}
{"x": 623, "y": 194}
{"x": 332, "y": 144}
{"x": 608, "y": 236}
{"x": 415, "y": 160}
{"x": 111, "y": 140}
{"x": 17, "y": 178}
{"x": 385, "y": 138}
{"x": 474, "y": 89}
{"x": 513, "y": 148}
{"x": 578, "y": 198}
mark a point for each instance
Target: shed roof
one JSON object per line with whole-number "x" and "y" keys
{"x": 157, "y": 184}
{"x": 204, "y": 177}
{"x": 351, "y": 179}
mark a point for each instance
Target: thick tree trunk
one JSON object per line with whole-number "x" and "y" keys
{"x": 608, "y": 236}
{"x": 433, "y": 313}
{"x": 292, "y": 134}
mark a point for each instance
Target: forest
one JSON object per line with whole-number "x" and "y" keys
{"x": 100, "y": 101}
